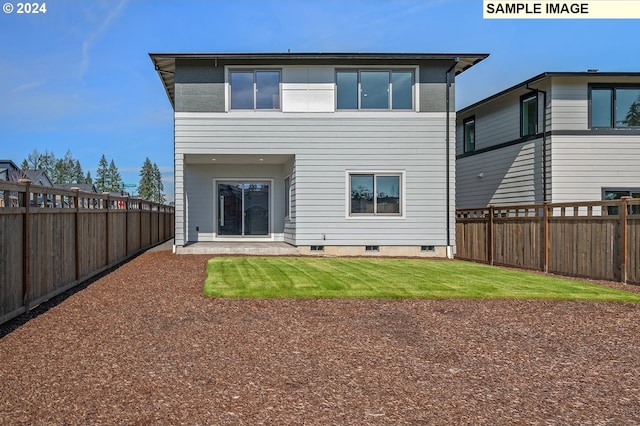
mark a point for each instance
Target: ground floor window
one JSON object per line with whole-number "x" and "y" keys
{"x": 375, "y": 194}
{"x": 616, "y": 194}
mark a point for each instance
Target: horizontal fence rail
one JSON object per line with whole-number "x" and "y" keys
{"x": 52, "y": 239}
{"x": 596, "y": 239}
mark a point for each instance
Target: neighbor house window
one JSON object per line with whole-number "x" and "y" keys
{"x": 529, "y": 115}
{"x": 375, "y": 194}
{"x": 616, "y": 194}
{"x": 469, "y": 134}
{"x": 255, "y": 89}
{"x": 614, "y": 106}
{"x": 374, "y": 89}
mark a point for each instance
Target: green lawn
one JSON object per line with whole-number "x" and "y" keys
{"x": 312, "y": 277}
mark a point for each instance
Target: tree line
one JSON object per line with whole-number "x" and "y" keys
{"x": 67, "y": 170}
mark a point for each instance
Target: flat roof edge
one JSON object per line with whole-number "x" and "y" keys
{"x": 548, "y": 74}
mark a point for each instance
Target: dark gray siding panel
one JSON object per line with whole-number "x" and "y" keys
{"x": 199, "y": 86}
{"x": 433, "y": 87}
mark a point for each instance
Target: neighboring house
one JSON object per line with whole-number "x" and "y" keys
{"x": 84, "y": 187}
{"x": 345, "y": 153}
{"x": 559, "y": 136}
{"x": 9, "y": 171}
{"x": 38, "y": 177}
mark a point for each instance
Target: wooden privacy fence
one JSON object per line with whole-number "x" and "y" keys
{"x": 52, "y": 239}
{"x": 598, "y": 240}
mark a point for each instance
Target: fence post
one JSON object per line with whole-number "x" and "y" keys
{"x": 76, "y": 204}
{"x": 624, "y": 229}
{"x": 546, "y": 236}
{"x": 106, "y": 227}
{"x": 126, "y": 226}
{"x": 26, "y": 249}
{"x": 490, "y": 236}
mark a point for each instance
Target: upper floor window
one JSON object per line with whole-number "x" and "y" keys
{"x": 255, "y": 89}
{"x": 614, "y": 106}
{"x": 374, "y": 89}
{"x": 529, "y": 115}
{"x": 469, "y": 134}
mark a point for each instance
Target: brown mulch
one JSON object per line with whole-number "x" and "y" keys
{"x": 143, "y": 345}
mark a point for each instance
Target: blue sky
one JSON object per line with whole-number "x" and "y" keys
{"x": 79, "y": 77}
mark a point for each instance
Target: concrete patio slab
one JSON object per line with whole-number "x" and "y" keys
{"x": 240, "y": 248}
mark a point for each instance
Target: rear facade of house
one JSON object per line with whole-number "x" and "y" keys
{"x": 559, "y": 137}
{"x": 336, "y": 153}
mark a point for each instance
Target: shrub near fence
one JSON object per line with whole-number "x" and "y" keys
{"x": 52, "y": 239}
{"x": 599, "y": 239}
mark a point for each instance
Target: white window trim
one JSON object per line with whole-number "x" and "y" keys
{"x": 403, "y": 195}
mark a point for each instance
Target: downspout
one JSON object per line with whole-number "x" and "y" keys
{"x": 544, "y": 140}
{"x": 448, "y": 160}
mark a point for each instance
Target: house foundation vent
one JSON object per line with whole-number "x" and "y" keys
{"x": 317, "y": 248}
{"x": 428, "y": 248}
{"x": 372, "y": 248}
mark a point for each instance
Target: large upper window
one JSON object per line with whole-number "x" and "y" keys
{"x": 374, "y": 89}
{"x": 469, "y": 134}
{"x": 375, "y": 194}
{"x": 529, "y": 115}
{"x": 614, "y": 106}
{"x": 255, "y": 89}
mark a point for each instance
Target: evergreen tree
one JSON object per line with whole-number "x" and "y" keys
{"x": 146, "y": 186}
{"x": 63, "y": 171}
{"x": 633, "y": 116}
{"x": 78, "y": 174}
{"x": 88, "y": 179}
{"x": 159, "y": 187}
{"x": 48, "y": 163}
{"x": 102, "y": 173}
{"x": 114, "y": 180}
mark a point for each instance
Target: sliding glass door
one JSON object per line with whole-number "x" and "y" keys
{"x": 243, "y": 208}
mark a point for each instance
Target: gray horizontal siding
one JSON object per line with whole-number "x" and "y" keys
{"x": 511, "y": 175}
{"x": 324, "y": 147}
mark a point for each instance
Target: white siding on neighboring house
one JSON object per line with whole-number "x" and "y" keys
{"x": 581, "y": 162}
{"x": 583, "y": 166}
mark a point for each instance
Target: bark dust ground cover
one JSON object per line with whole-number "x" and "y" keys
{"x": 143, "y": 345}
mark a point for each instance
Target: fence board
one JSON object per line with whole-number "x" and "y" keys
{"x": 10, "y": 264}
{"x": 590, "y": 239}
{"x": 517, "y": 242}
{"x": 52, "y": 239}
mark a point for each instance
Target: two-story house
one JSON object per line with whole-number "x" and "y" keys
{"x": 559, "y": 137}
{"x": 343, "y": 153}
